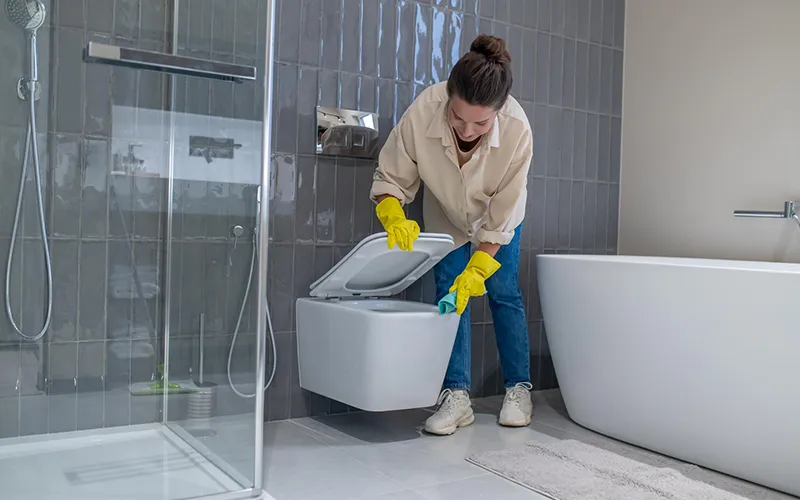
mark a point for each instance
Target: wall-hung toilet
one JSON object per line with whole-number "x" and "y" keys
{"x": 357, "y": 346}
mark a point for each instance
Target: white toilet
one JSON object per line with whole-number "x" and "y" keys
{"x": 357, "y": 346}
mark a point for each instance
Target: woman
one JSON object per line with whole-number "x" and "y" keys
{"x": 470, "y": 142}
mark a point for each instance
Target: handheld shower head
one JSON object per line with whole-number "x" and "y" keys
{"x": 27, "y": 15}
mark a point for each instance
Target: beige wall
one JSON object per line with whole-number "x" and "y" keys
{"x": 711, "y": 123}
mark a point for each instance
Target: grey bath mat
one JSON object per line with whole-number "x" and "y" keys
{"x": 572, "y": 470}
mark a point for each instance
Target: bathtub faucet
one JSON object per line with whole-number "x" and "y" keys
{"x": 789, "y": 212}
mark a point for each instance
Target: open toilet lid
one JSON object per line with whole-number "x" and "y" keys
{"x": 372, "y": 270}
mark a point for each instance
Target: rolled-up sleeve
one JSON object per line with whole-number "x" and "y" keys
{"x": 507, "y": 207}
{"x": 397, "y": 173}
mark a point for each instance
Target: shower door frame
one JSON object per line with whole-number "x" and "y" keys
{"x": 261, "y": 277}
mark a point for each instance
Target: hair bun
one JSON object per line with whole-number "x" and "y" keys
{"x": 491, "y": 47}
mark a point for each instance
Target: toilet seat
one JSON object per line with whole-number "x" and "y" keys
{"x": 371, "y": 269}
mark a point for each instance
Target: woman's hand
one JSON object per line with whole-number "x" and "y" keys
{"x": 402, "y": 232}
{"x": 472, "y": 282}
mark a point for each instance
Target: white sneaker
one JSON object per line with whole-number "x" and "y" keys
{"x": 455, "y": 410}
{"x": 517, "y": 406}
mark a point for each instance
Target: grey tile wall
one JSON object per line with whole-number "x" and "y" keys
{"x": 377, "y": 55}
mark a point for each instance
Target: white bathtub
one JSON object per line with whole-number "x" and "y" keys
{"x": 694, "y": 359}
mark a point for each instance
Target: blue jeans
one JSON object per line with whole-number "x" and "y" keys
{"x": 508, "y": 314}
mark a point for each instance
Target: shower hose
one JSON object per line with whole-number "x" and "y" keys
{"x": 31, "y": 146}
{"x": 239, "y": 324}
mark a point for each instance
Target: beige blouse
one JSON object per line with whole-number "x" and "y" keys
{"x": 483, "y": 201}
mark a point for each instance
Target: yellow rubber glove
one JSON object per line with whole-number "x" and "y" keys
{"x": 402, "y": 232}
{"x": 472, "y": 282}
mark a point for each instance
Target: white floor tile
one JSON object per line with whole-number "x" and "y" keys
{"x": 489, "y": 487}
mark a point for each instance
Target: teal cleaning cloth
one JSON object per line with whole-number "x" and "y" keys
{"x": 448, "y": 304}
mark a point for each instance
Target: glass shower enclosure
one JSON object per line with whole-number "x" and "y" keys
{"x": 134, "y": 148}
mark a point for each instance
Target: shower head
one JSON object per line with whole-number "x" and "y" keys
{"x": 27, "y": 15}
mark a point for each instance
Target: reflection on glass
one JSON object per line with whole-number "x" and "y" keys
{"x": 346, "y": 132}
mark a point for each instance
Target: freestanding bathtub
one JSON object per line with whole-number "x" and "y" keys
{"x": 695, "y": 359}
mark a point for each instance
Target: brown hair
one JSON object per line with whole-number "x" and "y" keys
{"x": 482, "y": 77}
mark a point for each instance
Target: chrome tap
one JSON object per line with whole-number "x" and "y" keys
{"x": 789, "y": 212}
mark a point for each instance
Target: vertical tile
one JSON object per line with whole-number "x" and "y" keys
{"x": 545, "y": 15}
{"x": 65, "y": 291}
{"x": 542, "y": 78}
{"x": 370, "y": 28}
{"x": 537, "y": 214}
{"x": 281, "y": 287}
{"x": 516, "y": 12}
{"x": 387, "y": 37}
{"x": 438, "y": 46}
{"x": 62, "y": 393}
{"x": 576, "y": 215}
{"x": 306, "y": 111}
{"x": 515, "y": 49}
{"x": 33, "y": 415}
{"x": 595, "y": 66}
{"x": 554, "y": 130}
{"x": 596, "y": 20}
{"x": 345, "y": 199}
{"x": 403, "y": 97}
{"x": 568, "y": 83}
{"x": 606, "y": 80}
{"x": 92, "y": 291}
{"x": 607, "y": 36}
{"x": 326, "y": 176}
{"x": 305, "y": 197}
{"x": 287, "y": 108}
{"x": 99, "y": 15}
{"x": 70, "y": 101}
{"x": 567, "y": 143}
{"x": 94, "y": 196}
{"x": 502, "y": 10}
{"x": 571, "y": 11}
{"x": 619, "y": 23}
{"x": 531, "y": 16}
{"x": 331, "y": 34}
{"x": 582, "y": 76}
{"x": 601, "y": 218}
{"x": 453, "y": 39}
{"x": 616, "y": 91}
{"x": 126, "y": 19}
{"x": 328, "y": 88}
{"x": 592, "y": 146}
{"x": 579, "y": 155}
{"x": 589, "y": 215}
{"x": 556, "y": 70}
{"x": 97, "y": 115}
{"x": 363, "y": 206}
{"x": 282, "y": 198}
{"x": 247, "y": 40}
{"x": 558, "y": 17}
{"x": 67, "y": 189}
{"x": 223, "y": 35}
{"x": 423, "y": 15}
{"x": 551, "y": 213}
{"x": 529, "y": 65}
{"x": 310, "y": 27}
{"x": 385, "y": 108}
{"x": 351, "y": 36}
{"x": 469, "y": 33}
{"x": 492, "y": 382}
{"x": 604, "y": 150}
{"x": 405, "y": 41}
{"x": 486, "y": 8}
{"x": 289, "y": 20}
{"x": 9, "y": 415}
{"x": 564, "y": 216}
{"x": 613, "y": 216}
{"x": 616, "y": 145}
{"x": 540, "y": 140}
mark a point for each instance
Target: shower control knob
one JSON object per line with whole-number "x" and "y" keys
{"x": 238, "y": 230}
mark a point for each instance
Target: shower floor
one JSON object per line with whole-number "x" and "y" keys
{"x": 139, "y": 462}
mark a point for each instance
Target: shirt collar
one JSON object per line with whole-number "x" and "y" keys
{"x": 440, "y": 128}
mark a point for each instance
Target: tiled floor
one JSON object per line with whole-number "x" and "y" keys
{"x": 366, "y": 456}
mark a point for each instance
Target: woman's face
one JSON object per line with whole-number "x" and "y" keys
{"x": 470, "y": 122}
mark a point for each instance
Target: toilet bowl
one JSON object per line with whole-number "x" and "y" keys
{"x": 359, "y": 346}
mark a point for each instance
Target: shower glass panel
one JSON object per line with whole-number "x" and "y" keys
{"x": 129, "y": 354}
